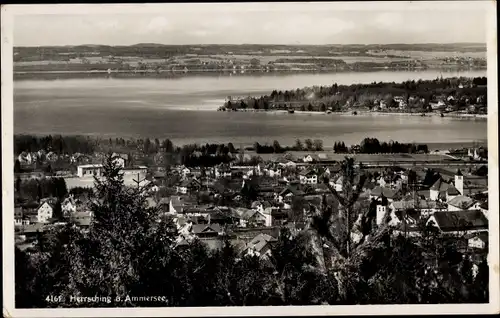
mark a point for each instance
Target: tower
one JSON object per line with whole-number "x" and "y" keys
{"x": 459, "y": 182}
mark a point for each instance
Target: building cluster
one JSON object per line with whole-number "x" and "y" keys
{"x": 248, "y": 204}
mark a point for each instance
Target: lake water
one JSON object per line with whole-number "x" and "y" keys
{"x": 183, "y": 109}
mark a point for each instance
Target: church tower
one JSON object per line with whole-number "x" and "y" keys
{"x": 459, "y": 182}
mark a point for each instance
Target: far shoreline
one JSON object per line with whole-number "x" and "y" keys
{"x": 358, "y": 113}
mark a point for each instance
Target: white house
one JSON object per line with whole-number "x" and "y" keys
{"x": 45, "y": 212}
{"x": 308, "y": 176}
{"x": 479, "y": 241}
{"x": 119, "y": 159}
{"x": 25, "y": 158}
{"x": 311, "y": 158}
{"x": 185, "y": 172}
{"x": 68, "y": 206}
{"x": 90, "y": 170}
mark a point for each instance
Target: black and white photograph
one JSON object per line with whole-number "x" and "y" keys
{"x": 292, "y": 158}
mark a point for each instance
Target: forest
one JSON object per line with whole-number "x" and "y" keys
{"x": 130, "y": 250}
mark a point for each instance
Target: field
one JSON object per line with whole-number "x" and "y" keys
{"x": 423, "y": 158}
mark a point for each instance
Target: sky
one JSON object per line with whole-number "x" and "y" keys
{"x": 252, "y": 23}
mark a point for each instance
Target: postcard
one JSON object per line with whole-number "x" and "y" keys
{"x": 246, "y": 159}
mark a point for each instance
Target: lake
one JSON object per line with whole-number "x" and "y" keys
{"x": 182, "y": 109}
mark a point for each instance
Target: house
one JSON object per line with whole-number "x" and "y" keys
{"x": 462, "y": 202}
{"x": 119, "y": 159}
{"x": 185, "y": 171}
{"x": 311, "y": 158}
{"x": 20, "y": 219}
{"x": 439, "y": 105}
{"x": 478, "y": 153}
{"x": 438, "y": 188}
{"x": 308, "y": 176}
{"x": 206, "y": 230}
{"x": 252, "y": 218}
{"x": 380, "y": 192}
{"x": 260, "y": 245}
{"x": 425, "y": 208}
{"x": 217, "y": 216}
{"x": 90, "y": 170}
{"x": 80, "y": 158}
{"x": 275, "y": 216}
{"x": 52, "y": 156}
{"x": 260, "y": 206}
{"x": 290, "y": 191}
{"x": 337, "y": 183}
{"x": 456, "y": 222}
{"x": 188, "y": 185}
{"x": 68, "y": 206}
{"x": 45, "y": 212}
{"x": 25, "y": 158}
{"x": 176, "y": 205}
{"x": 479, "y": 240}
{"x": 222, "y": 171}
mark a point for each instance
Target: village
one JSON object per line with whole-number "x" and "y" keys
{"x": 247, "y": 201}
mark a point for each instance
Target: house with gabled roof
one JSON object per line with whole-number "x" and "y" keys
{"x": 459, "y": 222}
{"x": 308, "y": 176}
{"x": 380, "y": 192}
{"x": 206, "y": 230}
{"x": 462, "y": 202}
{"x": 290, "y": 191}
{"x": 260, "y": 245}
{"x": 261, "y": 205}
{"x": 188, "y": 185}
{"x": 311, "y": 158}
{"x": 25, "y": 158}
{"x": 478, "y": 240}
{"x": 45, "y": 211}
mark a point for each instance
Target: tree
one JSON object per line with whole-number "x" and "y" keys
{"x": 57, "y": 212}
{"x": 298, "y": 145}
{"x": 231, "y": 148}
{"x": 17, "y": 166}
{"x": 309, "y": 144}
{"x": 276, "y": 147}
{"x": 318, "y": 145}
{"x": 310, "y": 107}
{"x": 17, "y": 185}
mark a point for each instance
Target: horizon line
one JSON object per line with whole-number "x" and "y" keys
{"x": 256, "y": 44}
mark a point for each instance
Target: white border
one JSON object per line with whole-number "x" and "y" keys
{"x": 8, "y": 12}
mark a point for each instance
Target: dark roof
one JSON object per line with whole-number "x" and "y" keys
{"x": 260, "y": 241}
{"x": 484, "y": 205}
{"x": 461, "y": 201}
{"x": 452, "y": 190}
{"x": 388, "y": 193}
{"x": 459, "y": 173}
{"x": 440, "y": 185}
{"x": 204, "y": 228}
{"x": 292, "y": 189}
{"x": 461, "y": 220}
